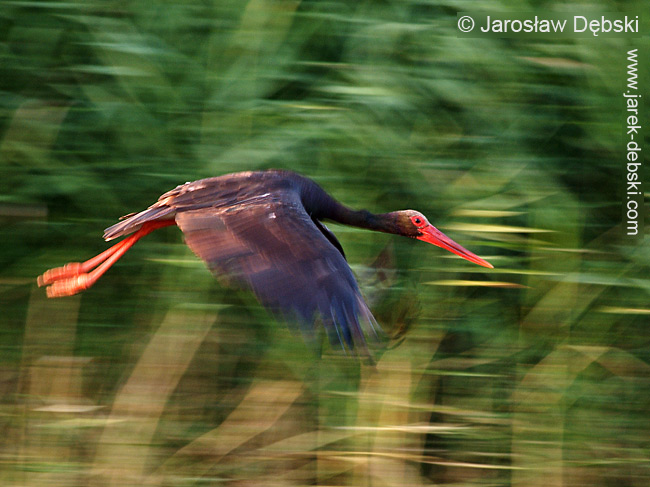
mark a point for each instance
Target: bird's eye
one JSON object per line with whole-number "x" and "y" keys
{"x": 418, "y": 221}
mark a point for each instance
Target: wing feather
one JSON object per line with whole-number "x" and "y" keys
{"x": 272, "y": 246}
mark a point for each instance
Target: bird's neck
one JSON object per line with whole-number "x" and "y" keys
{"x": 364, "y": 219}
{"x": 322, "y": 206}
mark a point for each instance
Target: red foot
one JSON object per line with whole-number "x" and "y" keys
{"x": 76, "y": 277}
{"x": 69, "y": 270}
{"x": 70, "y": 286}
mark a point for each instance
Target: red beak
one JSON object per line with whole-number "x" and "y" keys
{"x": 434, "y": 236}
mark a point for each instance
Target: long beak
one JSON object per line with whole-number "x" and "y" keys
{"x": 434, "y": 236}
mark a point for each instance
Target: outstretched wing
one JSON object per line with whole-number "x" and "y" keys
{"x": 271, "y": 245}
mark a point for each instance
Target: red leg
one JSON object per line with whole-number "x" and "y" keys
{"x": 76, "y": 277}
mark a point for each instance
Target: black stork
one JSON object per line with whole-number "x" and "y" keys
{"x": 264, "y": 230}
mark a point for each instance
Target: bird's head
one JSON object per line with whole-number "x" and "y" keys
{"x": 414, "y": 224}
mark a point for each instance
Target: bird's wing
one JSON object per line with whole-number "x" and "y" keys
{"x": 272, "y": 246}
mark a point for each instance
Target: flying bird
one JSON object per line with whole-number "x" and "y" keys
{"x": 263, "y": 230}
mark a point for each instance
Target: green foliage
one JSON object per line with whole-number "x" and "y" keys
{"x": 534, "y": 373}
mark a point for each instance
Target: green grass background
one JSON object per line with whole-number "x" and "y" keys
{"x": 536, "y": 373}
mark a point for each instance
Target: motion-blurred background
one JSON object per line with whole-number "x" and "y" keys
{"x": 534, "y": 373}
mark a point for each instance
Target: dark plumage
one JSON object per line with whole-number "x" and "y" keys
{"x": 263, "y": 230}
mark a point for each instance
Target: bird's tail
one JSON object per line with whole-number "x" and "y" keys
{"x": 134, "y": 221}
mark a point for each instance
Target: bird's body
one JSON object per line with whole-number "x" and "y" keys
{"x": 264, "y": 231}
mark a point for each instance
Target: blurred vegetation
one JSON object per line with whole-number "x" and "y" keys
{"x": 534, "y": 373}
